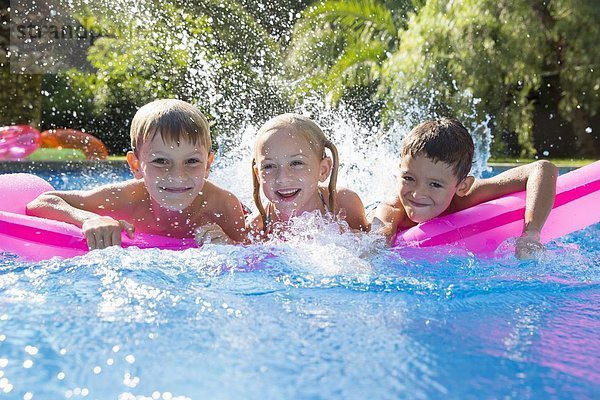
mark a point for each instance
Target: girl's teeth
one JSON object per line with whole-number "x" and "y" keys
{"x": 287, "y": 192}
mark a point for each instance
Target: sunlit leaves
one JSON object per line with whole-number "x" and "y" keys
{"x": 468, "y": 58}
{"x": 339, "y": 44}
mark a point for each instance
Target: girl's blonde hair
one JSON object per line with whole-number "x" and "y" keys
{"x": 300, "y": 126}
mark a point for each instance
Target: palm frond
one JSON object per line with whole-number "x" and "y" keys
{"x": 358, "y": 65}
{"x": 368, "y": 19}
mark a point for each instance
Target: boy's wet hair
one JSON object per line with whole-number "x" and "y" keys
{"x": 175, "y": 120}
{"x": 301, "y": 126}
{"x": 443, "y": 139}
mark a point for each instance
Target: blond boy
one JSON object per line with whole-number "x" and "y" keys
{"x": 170, "y": 194}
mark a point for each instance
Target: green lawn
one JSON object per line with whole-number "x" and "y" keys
{"x": 56, "y": 155}
{"x": 561, "y": 162}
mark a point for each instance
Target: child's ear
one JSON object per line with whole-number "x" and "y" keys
{"x": 211, "y": 158}
{"x": 134, "y": 165}
{"x": 465, "y": 185}
{"x": 325, "y": 169}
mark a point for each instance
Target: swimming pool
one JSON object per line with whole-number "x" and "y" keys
{"x": 326, "y": 317}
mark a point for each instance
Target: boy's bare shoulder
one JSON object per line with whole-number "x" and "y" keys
{"x": 128, "y": 187}
{"x": 390, "y": 211}
{"x": 123, "y": 194}
{"x": 218, "y": 198}
{"x": 213, "y": 191}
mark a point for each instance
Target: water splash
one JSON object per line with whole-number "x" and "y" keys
{"x": 369, "y": 156}
{"x": 137, "y": 322}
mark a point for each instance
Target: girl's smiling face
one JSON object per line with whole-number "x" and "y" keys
{"x": 289, "y": 171}
{"x": 426, "y": 187}
{"x": 173, "y": 173}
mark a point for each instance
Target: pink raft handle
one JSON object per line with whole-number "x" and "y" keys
{"x": 482, "y": 228}
{"x": 39, "y": 238}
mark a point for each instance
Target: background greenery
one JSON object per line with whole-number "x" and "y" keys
{"x": 528, "y": 67}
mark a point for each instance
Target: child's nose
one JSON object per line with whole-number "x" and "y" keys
{"x": 176, "y": 171}
{"x": 419, "y": 191}
{"x": 283, "y": 175}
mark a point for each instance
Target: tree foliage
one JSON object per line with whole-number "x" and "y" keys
{"x": 340, "y": 44}
{"x": 20, "y": 101}
{"x": 574, "y": 29}
{"x": 481, "y": 49}
{"x": 211, "y": 53}
{"x": 469, "y": 58}
{"x": 526, "y": 66}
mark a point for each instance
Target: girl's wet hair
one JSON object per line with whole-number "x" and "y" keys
{"x": 175, "y": 120}
{"x": 301, "y": 126}
{"x": 443, "y": 139}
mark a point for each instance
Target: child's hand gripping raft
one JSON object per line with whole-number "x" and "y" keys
{"x": 212, "y": 233}
{"x": 170, "y": 194}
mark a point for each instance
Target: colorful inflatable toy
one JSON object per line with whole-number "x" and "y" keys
{"x": 91, "y": 146}
{"x": 38, "y": 239}
{"x": 481, "y": 229}
{"x": 18, "y": 141}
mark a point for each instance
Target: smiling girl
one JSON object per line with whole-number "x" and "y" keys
{"x": 290, "y": 166}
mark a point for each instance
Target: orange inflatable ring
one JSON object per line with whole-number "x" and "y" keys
{"x": 91, "y": 146}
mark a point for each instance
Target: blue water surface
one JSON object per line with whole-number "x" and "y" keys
{"x": 320, "y": 318}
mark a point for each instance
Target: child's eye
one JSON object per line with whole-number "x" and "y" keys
{"x": 296, "y": 163}
{"x": 407, "y": 178}
{"x": 193, "y": 161}
{"x": 160, "y": 161}
{"x": 267, "y": 167}
{"x": 436, "y": 185}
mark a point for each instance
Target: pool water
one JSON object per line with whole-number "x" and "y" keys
{"x": 321, "y": 317}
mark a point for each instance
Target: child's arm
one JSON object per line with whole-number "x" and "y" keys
{"x": 212, "y": 233}
{"x": 388, "y": 214}
{"x": 255, "y": 229}
{"x": 228, "y": 225}
{"x": 354, "y": 209}
{"x": 541, "y": 192}
{"x": 74, "y": 207}
{"x": 539, "y": 181}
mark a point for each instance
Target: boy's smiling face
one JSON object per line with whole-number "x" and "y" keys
{"x": 173, "y": 173}
{"x": 427, "y": 188}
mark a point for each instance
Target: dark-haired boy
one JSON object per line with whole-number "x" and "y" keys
{"x": 436, "y": 158}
